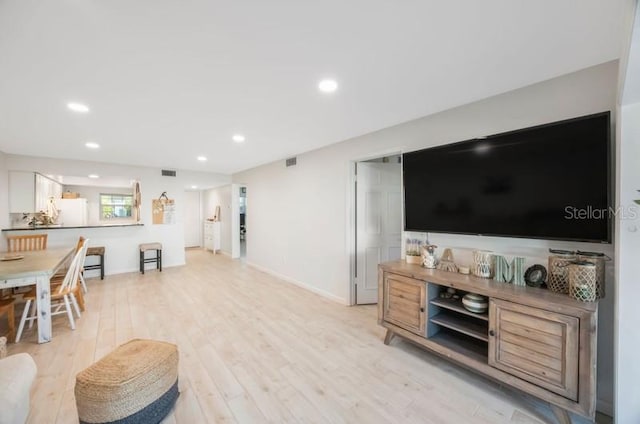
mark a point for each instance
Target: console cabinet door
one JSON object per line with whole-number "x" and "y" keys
{"x": 536, "y": 345}
{"x": 404, "y": 302}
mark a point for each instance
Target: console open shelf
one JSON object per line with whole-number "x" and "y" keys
{"x": 472, "y": 328}
{"x": 469, "y": 347}
{"x": 456, "y": 305}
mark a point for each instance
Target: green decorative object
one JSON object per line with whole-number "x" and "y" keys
{"x": 503, "y": 272}
{"x": 506, "y": 272}
{"x": 517, "y": 267}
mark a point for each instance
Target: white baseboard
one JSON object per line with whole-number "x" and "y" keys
{"x": 605, "y": 407}
{"x": 96, "y": 272}
{"x": 300, "y": 284}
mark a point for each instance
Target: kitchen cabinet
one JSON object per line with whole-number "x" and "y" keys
{"x": 22, "y": 192}
{"x": 533, "y": 340}
{"x": 30, "y": 192}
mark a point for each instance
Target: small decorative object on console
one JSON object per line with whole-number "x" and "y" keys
{"x": 463, "y": 270}
{"x": 429, "y": 259}
{"x": 412, "y": 251}
{"x": 509, "y": 272}
{"x": 559, "y": 270}
{"x": 535, "y": 275}
{"x": 518, "y": 271}
{"x": 475, "y": 303}
{"x": 582, "y": 281}
{"x": 446, "y": 262}
{"x": 598, "y": 259}
{"x": 503, "y": 271}
{"x": 483, "y": 263}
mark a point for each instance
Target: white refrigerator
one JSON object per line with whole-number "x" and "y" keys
{"x": 73, "y": 212}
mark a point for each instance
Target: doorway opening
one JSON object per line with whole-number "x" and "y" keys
{"x": 377, "y": 222}
{"x": 242, "y": 208}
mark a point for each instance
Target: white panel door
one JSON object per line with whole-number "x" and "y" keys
{"x": 378, "y": 223}
{"x": 192, "y": 221}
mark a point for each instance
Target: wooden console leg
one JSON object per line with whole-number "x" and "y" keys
{"x": 561, "y": 415}
{"x": 388, "y": 337}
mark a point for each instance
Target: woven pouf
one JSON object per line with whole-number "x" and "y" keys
{"x": 136, "y": 383}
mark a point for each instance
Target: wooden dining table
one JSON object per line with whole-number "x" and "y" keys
{"x": 35, "y": 267}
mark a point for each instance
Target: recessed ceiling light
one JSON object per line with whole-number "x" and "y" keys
{"x": 194, "y": 187}
{"x": 94, "y": 176}
{"x": 92, "y": 145}
{"x": 238, "y": 138}
{"x": 78, "y": 107}
{"x": 327, "y": 86}
{"x": 202, "y": 158}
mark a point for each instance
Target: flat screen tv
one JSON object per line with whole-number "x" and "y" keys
{"x": 547, "y": 182}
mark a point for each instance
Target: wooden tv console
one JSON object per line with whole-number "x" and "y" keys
{"x": 531, "y": 339}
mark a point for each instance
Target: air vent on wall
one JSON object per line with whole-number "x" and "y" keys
{"x": 291, "y": 162}
{"x": 168, "y": 173}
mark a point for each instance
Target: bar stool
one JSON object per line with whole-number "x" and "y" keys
{"x": 96, "y": 251}
{"x": 157, "y": 259}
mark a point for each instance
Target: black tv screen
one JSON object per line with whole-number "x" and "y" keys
{"x": 548, "y": 182}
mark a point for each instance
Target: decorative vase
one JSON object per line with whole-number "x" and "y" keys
{"x": 429, "y": 259}
{"x": 412, "y": 259}
{"x": 483, "y": 261}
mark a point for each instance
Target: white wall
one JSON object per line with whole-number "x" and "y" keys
{"x": 4, "y": 192}
{"x": 220, "y": 196}
{"x": 300, "y": 215}
{"x": 627, "y": 340}
{"x": 193, "y": 228}
{"x": 121, "y": 243}
{"x": 628, "y": 259}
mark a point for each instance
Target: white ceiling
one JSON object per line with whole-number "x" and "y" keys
{"x": 168, "y": 80}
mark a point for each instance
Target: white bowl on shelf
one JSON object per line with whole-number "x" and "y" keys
{"x": 475, "y": 303}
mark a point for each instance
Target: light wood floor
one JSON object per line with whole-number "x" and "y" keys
{"x": 255, "y": 349}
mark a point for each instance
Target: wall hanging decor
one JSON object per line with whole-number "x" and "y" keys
{"x": 163, "y": 210}
{"x": 137, "y": 201}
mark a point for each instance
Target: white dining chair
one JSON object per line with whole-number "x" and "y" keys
{"x": 61, "y": 299}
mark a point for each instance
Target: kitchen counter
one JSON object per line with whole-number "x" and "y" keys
{"x": 62, "y": 227}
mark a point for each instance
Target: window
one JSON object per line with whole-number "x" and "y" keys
{"x": 115, "y": 206}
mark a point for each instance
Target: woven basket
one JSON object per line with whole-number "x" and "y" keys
{"x": 582, "y": 281}
{"x": 136, "y": 379}
{"x": 558, "y": 280}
